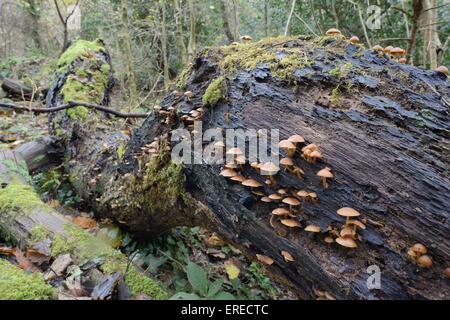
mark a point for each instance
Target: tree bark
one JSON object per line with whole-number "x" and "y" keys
{"x": 386, "y": 142}
{"x": 225, "y": 22}
{"x": 16, "y": 89}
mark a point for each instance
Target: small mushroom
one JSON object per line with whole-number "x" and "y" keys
{"x": 378, "y": 48}
{"x": 246, "y": 38}
{"x": 266, "y": 199}
{"x": 298, "y": 172}
{"x": 296, "y": 139}
{"x": 228, "y": 173}
{"x": 303, "y": 194}
{"x": 388, "y": 49}
{"x": 403, "y": 60}
{"x": 347, "y": 242}
{"x": 315, "y": 156}
{"x": 329, "y": 239}
{"x": 288, "y": 147}
{"x": 288, "y": 163}
{"x": 270, "y": 169}
{"x": 275, "y": 197}
{"x": 348, "y": 232}
{"x": 238, "y": 178}
{"x": 397, "y": 52}
{"x": 188, "y": 95}
{"x": 419, "y": 248}
{"x": 264, "y": 259}
{"x": 325, "y": 174}
{"x": 442, "y": 69}
{"x": 348, "y": 213}
{"x": 282, "y": 192}
{"x": 256, "y": 166}
{"x": 287, "y": 256}
{"x": 333, "y": 32}
{"x": 354, "y": 40}
{"x": 231, "y": 166}
{"x": 251, "y": 183}
{"x": 424, "y": 261}
{"x": 357, "y": 223}
{"x": 313, "y": 228}
{"x": 292, "y": 202}
{"x": 447, "y": 272}
{"x": 313, "y": 196}
{"x": 291, "y": 223}
{"x": 281, "y": 212}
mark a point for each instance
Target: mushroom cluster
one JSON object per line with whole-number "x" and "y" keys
{"x": 417, "y": 253}
{"x": 347, "y": 235}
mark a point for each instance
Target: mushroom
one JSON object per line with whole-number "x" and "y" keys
{"x": 357, "y": 223}
{"x": 296, "y": 139}
{"x": 287, "y": 256}
{"x": 424, "y": 261}
{"x": 388, "y": 49}
{"x": 235, "y": 152}
{"x": 264, "y": 259}
{"x": 246, "y": 38}
{"x": 231, "y": 166}
{"x": 234, "y": 43}
{"x": 307, "y": 150}
{"x": 347, "y": 242}
{"x": 397, "y": 52}
{"x": 403, "y": 60}
{"x": 419, "y": 249}
{"x": 354, "y": 40}
{"x": 288, "y": 163}
{"x": 275, "y": 197}
{"x": 378, "y": 48}
{"x": 291, "y": 223}
{"x": 282, "y": 192}
{"x": 329, "y": 239}
{"x": 288, "y": 147}
{"x": 228, "y": 173}
{"x": 333, "y": 32}
{"x": 256, "y": 166}
{"x": 281, "y": 212}
{"x": 251, "y": 183}
{"x": 314, "y": 198}
{"x": 238, "y": 178}
{"x": 188, "y": 95}
{"x": 315, "y": 156}
{"x": 266, "y": 199}
{"x": 447, "y": 272}
{"x": 325, "y": 174}
{"x": 442, "y": 69}
{"x": 298, "y": 172}
{"x": 270, "y": 169}
{"x": 348, "y": 213}
{"x": 313, "y": 228}
{"x": 292, "y": 202}
{"x": 303, "y": 194}
{"x": 347, "y": 232}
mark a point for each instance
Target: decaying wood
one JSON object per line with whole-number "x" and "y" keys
{"x": 382, "y": 131}
{"x": 16, "y": 88}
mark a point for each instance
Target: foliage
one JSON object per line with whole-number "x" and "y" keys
{"x": 215, "y": 92}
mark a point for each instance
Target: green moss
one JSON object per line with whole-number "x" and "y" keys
{"x": 16, "y": 197}
{"x": 80, "y": 49}
{"x": 16, "y": 284}
{"x": 215, "y": 92}
{"x": 38, "y": 233}
{"x": 336, "y": 97}
{"x": 136, "y": 281}
{"x": 342, "y": 70}
{"x": 182, "y": 78}
{"x": 18, "y": 167}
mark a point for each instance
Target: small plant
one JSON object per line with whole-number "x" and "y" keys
{"x": 202, "y": 288}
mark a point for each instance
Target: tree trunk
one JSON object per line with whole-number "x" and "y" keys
{"x": 385, "y": 137}
{"x": 291, "y": 13}
{"x": 192, "y": 45}
{"x": 225, "y": 23}
{"x": 164, "y": 46}
{"x": 16, "y": 89}
{"x": 131, "y": 78}
{"x": 179, "y": 22}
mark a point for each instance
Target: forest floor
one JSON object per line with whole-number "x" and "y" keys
{"x": 164, "y": 258}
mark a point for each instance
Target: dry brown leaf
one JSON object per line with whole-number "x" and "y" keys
{"x": 85, "y": 222}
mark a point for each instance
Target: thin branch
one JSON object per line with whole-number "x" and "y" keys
{"x": 306, "y": 24}
{"x": 74, "y": 104}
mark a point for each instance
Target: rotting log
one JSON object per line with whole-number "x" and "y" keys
{"x": 16, "y": 89}
{"x": 383, "y": 128}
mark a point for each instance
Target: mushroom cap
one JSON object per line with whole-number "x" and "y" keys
{"x": 325, "y": 173}
{"x": 312, "y": 195}
{"x": 256, "y": 165}
{"x": 347, "y": 232}
{"x": 442, "y": 69}
{"x": 231, "y": 166}
{"x": 291, "y": 201}
{"x": 188, "y": 94}
{"x": 311, "y": 147}
{"x": 348, "y": 212}
{"x": 235, "y": 151}
{"x": 228, "y": 173}
{"x": 280, "y": 212}
{"x": 264, "y": 259}
{"x": 246, "y": 38}
{"x": 332, "y": 32}
{"x": 346, "y": 242}
{"x": 258, "y": 193}
{"x": 357, "y": 223}
{"x": 412, "y": 254}
{"x": 251, "y": 183}
{"x": 447, "y": 272}
{"x": 296, "y": 139}
{"x": 316, "y": 154}
{"x": 303, "y": 194}
{"x": 269, "y": 168}
{"x": 282, "y": 191}
{"x": 266, "y": 199}
{"x": 377, "y": 48}
{"x": 240, "y": 159}
{"x": 329, "y": 239}
{"x": 291, "y": 223}
{"x": 275, "y": 197}
{"x": 354, "y": 39}
{"x": 419, "y": 248}
{"x": 313, "y": 228}
{"x": 287, "y": 256}
{"x": 397, "y": 51}
{"x": 238, "y": 178}
{"x": 424, "y": 261}
{"x": 287, "y": 162}
{"x": 403, "y": 60}
{"x": 388, "y": 49}
{"x": 286, "y": 144}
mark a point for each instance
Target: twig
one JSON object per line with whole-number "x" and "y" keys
{"x": 74, "y": 104}
{"x": 437, "y": 93}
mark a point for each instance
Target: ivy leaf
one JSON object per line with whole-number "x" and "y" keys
{"x": 197, "y": 278}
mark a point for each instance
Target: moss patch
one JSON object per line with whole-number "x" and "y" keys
{"x": 182, "y": 78}
{"x": 16, "y": 284}
{"x": 215, "y": 92}
{"x": 80, "y": 49}
{"x": 38, "y": 233}
{"x": 17, "y": 197}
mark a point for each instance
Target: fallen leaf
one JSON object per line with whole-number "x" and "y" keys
{"x": 215, "y": 241}
{"x": 287, "y": 256}
{"x": 24, "y": 262}
{"x": 232, "y": 270}
{"x": 85, "y": 222}
{"x": 264, "y": 259}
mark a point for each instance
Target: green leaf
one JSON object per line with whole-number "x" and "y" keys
{"x": 185, "y": 296}
{"x": 223, "y": 296}
{"x": 215, "y": 287}
{"x": 197, "y": 278}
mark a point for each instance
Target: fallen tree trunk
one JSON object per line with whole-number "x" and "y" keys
{"x": 383, "y": 128}
{"x": 15, "y": 88}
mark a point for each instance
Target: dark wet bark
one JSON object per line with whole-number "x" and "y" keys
{"x": 386, "y": 138}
